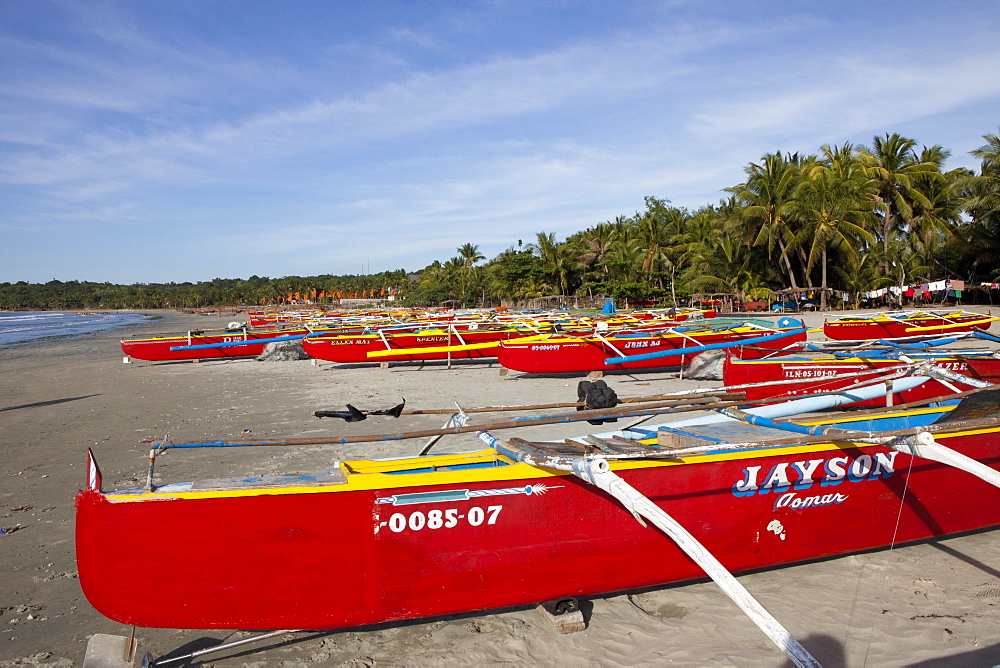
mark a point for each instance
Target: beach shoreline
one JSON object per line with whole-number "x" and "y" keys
{"x": 929, "y": 604}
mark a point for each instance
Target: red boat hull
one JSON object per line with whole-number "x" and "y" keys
{"x": 353, "y": 349}
{"x": 331, "y": 559}
{"x": 581, "y": 355}
{"x": 158, "y": 348}
{"x": 824, "y": 371}
{"x": 872, "y": 329}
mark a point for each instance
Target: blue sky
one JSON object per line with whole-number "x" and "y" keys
{"x": 183, "y": 140}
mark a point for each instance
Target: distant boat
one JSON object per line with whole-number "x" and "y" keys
{"x": 238, "y": 341}
{"x": 632, "y": 350}
{"x": 903, "y": 324}
{"x": 801, "y": 373}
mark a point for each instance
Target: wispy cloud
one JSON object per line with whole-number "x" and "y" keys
{"x": 426, "y": 132}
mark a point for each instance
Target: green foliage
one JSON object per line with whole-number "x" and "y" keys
{"x": 849, "y": 218}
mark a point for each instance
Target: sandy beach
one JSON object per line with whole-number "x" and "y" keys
{"x": 932, "y": 604}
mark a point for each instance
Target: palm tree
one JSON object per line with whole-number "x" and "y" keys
{"x": 557, "y": 260}
{"x": 893, "y": 166}
{"x": 860, "y": 273}
{"x": 470, "y": 254}
{"x": 764, "y": 200}
{"x": 980, "y": 240}
{"x": 984, "y": 201}
{"x": 936, "y": 222}
{"x": 597, "y": 243}
{"x": 835, "y": 208}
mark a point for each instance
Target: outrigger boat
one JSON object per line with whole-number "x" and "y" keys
{"x": 808, "y": 372}
{"x": 903, "y": 325}
{"x": 464, "y": 341}
{"x": 237, "y": 340}
{"x": 631, "y": 350}
{"x": 240, "y": 340}
{"x": 456, "y": 340}
{"x": 370, "y": 541}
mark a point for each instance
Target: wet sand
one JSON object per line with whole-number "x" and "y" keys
{"x": 933, "y": 604}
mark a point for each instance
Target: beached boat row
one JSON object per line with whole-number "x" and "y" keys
{"x": 370, "y": 332}
{"x": 521, "y": 521}
{"x": 551, "y": 342}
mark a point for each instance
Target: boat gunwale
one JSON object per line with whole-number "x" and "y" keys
{"x": 378, "y": 474}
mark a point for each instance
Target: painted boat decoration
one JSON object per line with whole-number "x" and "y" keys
{"x": 372, "y": 541}
{"x": 903, "y": 325}
{"x": 803, "y": 373}
{"x": 642, "y": 350}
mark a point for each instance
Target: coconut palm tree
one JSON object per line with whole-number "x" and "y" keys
{"x": 764, "y": 200}
{"x": 557, "y": 260}
{"x": 984, "y": 190}
{"x": 893, "y": 166}
{"x": 936, "y": 222}
{"x": 595, "y": 244}
{"x": 980, "y": 240}
{"x": 470, "y": 254}
{"x": 836, "y": 209}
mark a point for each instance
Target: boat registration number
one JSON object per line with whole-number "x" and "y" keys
{"x": 442, "y": 519}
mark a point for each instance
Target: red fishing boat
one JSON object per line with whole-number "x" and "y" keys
{"x": 236, "y": 341}
{"x": 459, "y": 341}
{"x": 456, "y": 340}
{"x": 630, "y": 349}
{"x": 374, "y": 541}
{"x": 903, "y": 325}
{"x": 805, "y": 373}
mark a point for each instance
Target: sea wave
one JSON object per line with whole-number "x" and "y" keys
{"x": 18, "y": 328}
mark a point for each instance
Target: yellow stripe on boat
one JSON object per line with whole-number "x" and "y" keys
{"x": 400, "y": 352}
{"x": 954, "y": 324}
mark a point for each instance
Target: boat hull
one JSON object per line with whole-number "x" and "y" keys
{"x": 583, "y": 355}
{"x": 902, "y": 327}
{"x": 409, "y": 346}
{"x": 159, "y": 348}
{"x": 825, "y": 373}
{"x": 396, "y": 547}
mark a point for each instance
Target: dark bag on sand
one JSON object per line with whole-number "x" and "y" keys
{"x": 595, "y": 395}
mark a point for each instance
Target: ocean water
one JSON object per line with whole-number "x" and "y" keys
{"x": 18, "y": 328}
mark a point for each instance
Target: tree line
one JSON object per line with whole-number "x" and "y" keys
{"x": 847, "y": 218}
{"x": 219, "y": 292}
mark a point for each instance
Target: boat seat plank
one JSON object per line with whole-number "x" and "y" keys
{"x": 335, "y": 477}
{"x": 612, "y": 446}
{"x": 717, "y": 433}
{"x": 583, "y": 447}
{"x": 618, "y": 445}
